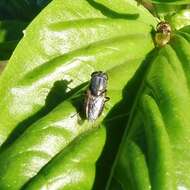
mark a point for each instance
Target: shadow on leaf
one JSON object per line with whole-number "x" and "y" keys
{"x": 110, "y": 13}
{"x": 116, "y": 122}
{"x": 57, "y": 95}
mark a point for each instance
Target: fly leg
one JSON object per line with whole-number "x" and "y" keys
{"x": 107, "y": 99}
{"x": 79, "y": 100}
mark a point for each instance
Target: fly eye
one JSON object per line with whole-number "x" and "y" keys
{"x": 96, "y": 73}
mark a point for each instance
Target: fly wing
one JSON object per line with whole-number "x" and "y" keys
{"x": 87, "y": 101}
{"x": 95, "y": 107}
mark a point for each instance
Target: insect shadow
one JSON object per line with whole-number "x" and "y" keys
{"x": 111, "y": 13}
{"x": 116, "y": 125}
{"x": 57, "y": 95}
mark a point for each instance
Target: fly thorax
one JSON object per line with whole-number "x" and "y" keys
{"x": 98, "y": 85}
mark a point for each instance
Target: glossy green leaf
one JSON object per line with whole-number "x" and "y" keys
{"x": 154, "y": 153}
{"x": 49, "y": 135}
{"x": 167, "y": 10}
{"x": 73, "y": 168}
{"x": 38, "y": 145}
{"x": 69, "y": 50}
{"x": 180, "y": 19}
{"x": 174, "y": 2}
{"x": 42, "y": 99}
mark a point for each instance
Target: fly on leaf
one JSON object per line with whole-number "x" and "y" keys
{"x": 96, "y": 95}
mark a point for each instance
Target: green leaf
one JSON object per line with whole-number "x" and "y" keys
{"x": 43, "y": 85}
{"x": 81, "y": 156}
{"x": 180, "y": 19}
{"x": 174, "y": 2}
{"x": 38, "y": 145}
{"x": 154, "y": 153}
{"x": 49, "y": 135}
{"x": 66, "y": 50}
{"x": 167, "y": 10}
{"x": 10, "y": 34}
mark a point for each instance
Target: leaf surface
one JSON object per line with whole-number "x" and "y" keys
{"x": 42, "y": 99}
{"x": 69, "y": 47}
{"x": 154, "y": 151}
{"x": 180, "y": 19}
{"x": 174, "y": 2}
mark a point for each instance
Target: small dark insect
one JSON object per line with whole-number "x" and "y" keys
{"x": 163, "y": 33}
{"x": 96, "y": 95}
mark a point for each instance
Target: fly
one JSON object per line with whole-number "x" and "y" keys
{"x": 163, "y": 33}
{"x": 96, "y": 95}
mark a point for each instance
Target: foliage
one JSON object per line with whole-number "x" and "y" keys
{"x": 141, "y": 140}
